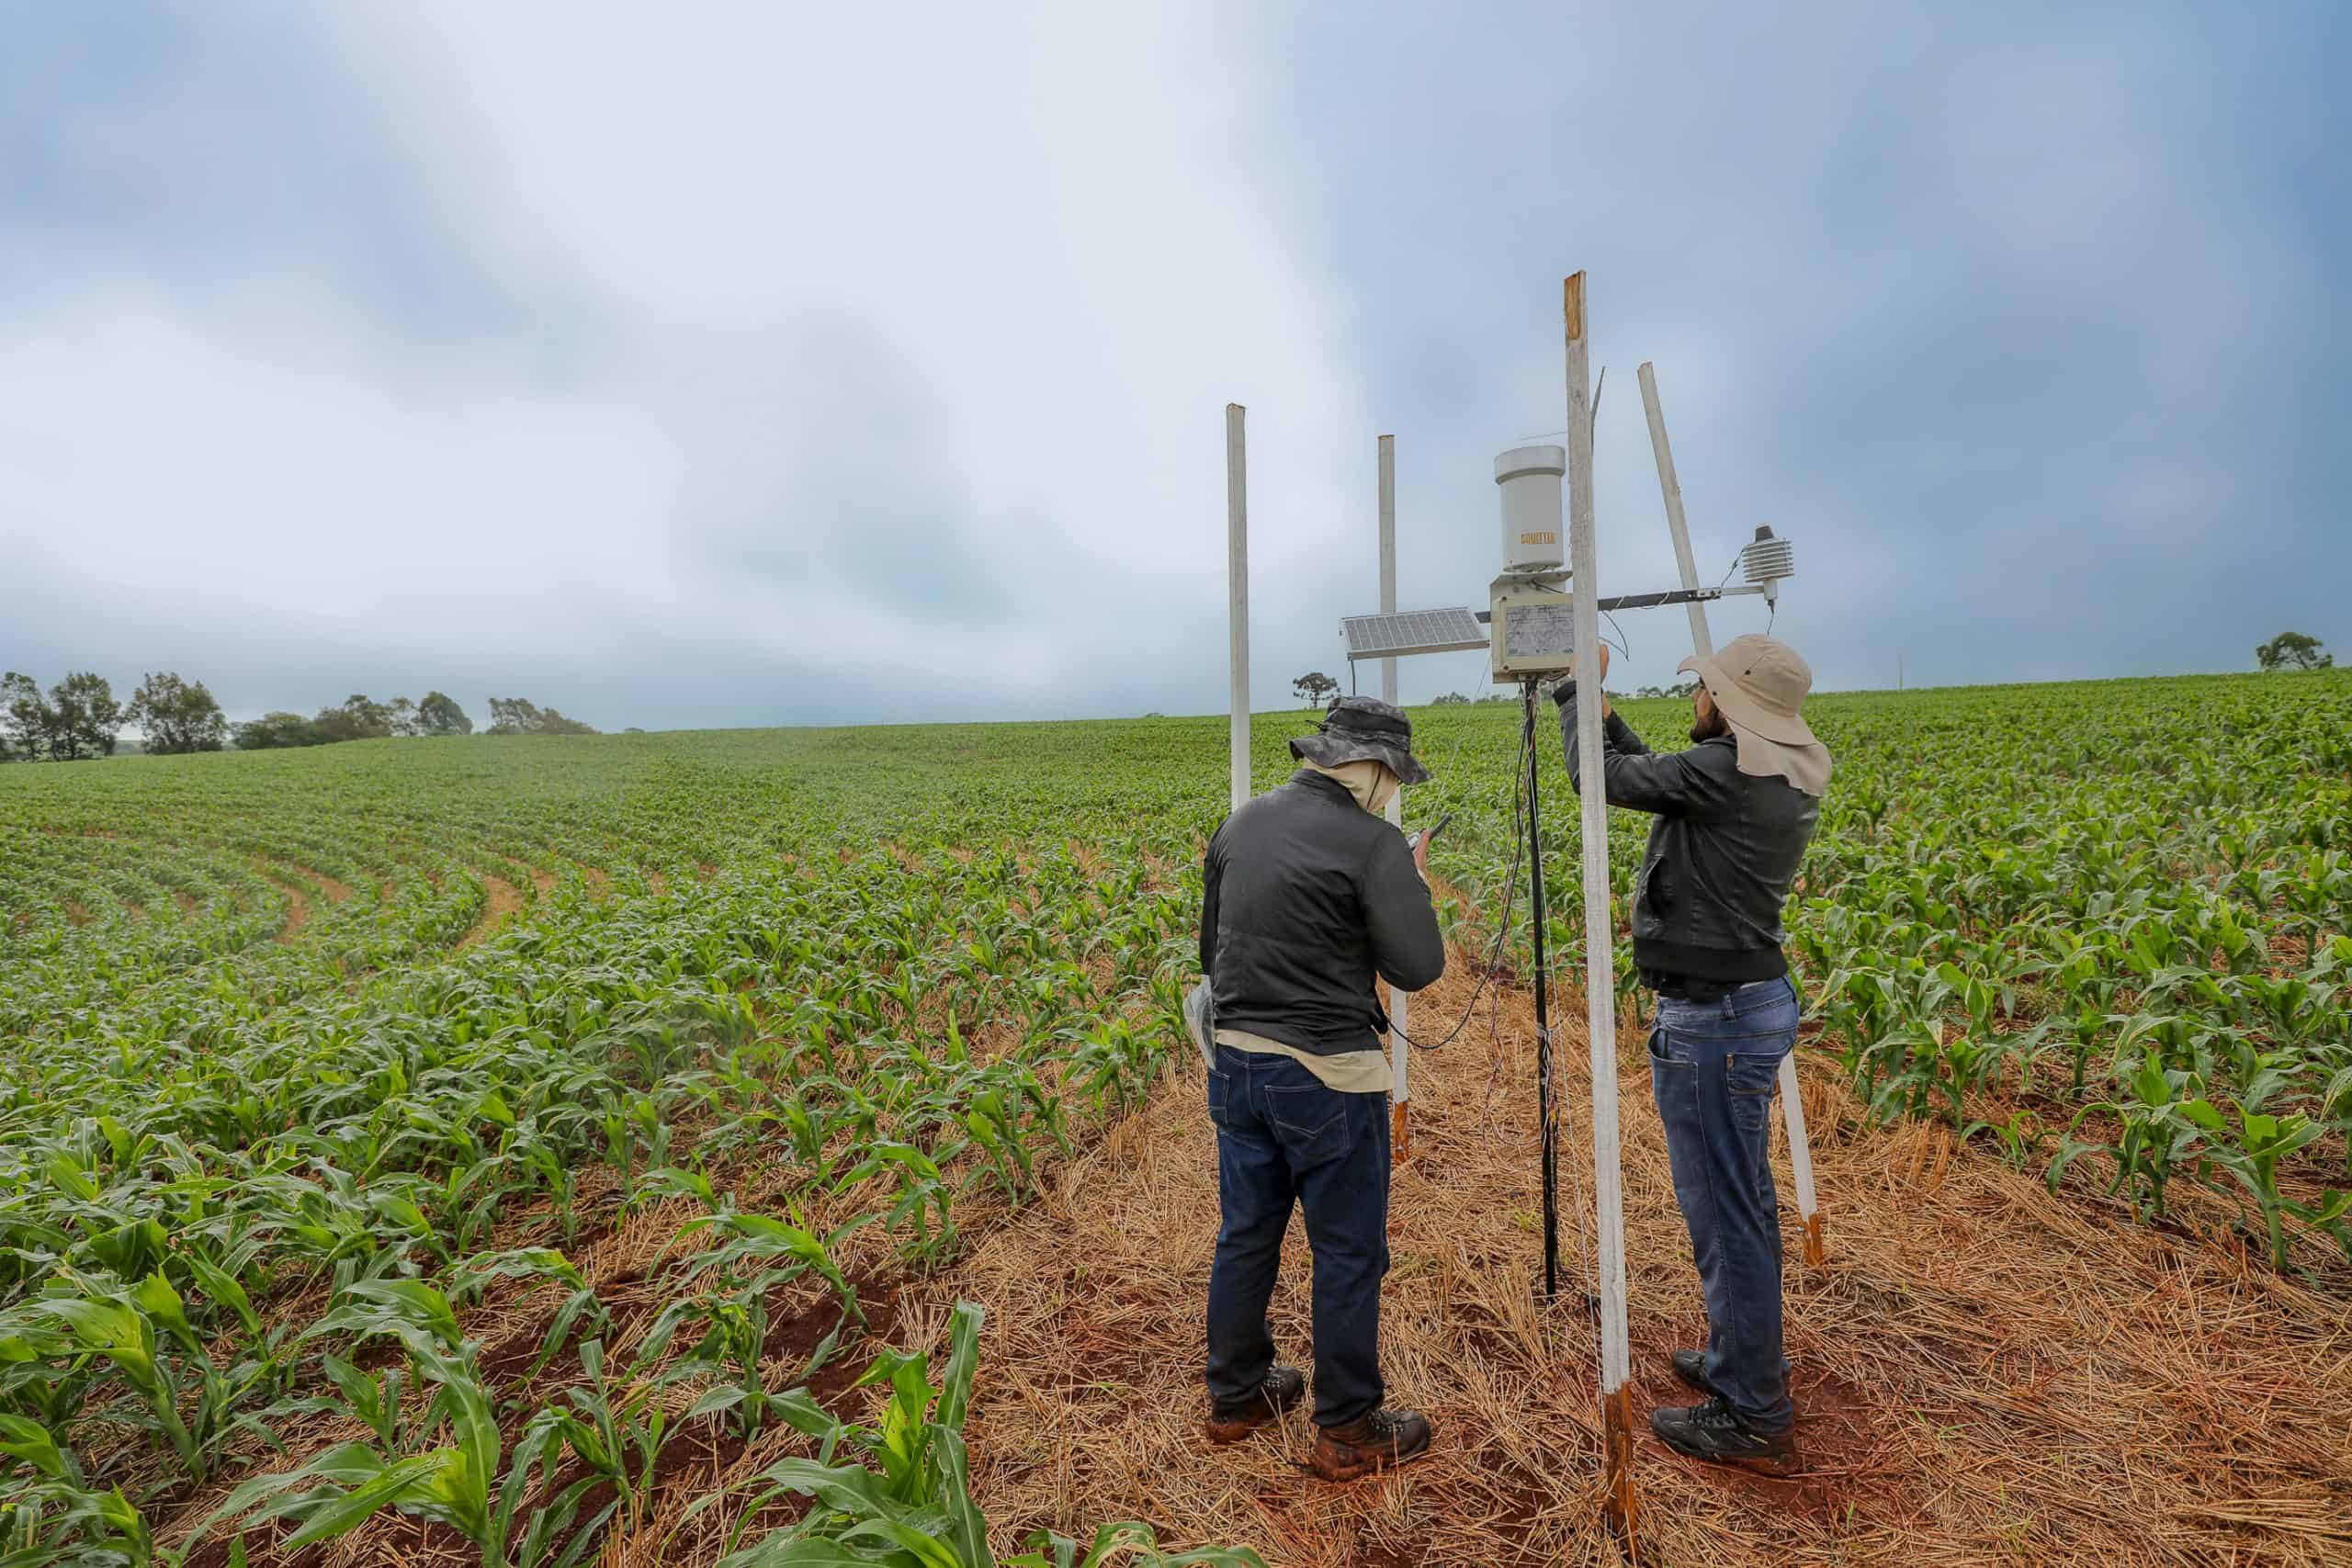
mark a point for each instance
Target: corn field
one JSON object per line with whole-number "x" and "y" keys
{"x": 478, "y": 1146}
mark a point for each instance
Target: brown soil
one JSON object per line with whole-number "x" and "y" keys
{"x": 78, "y": 912}
{"x": 1984, "y": 1373}
{"x": 298, "y": 910}
{"x": 499, "y": 901}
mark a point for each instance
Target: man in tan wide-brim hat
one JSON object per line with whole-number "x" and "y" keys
{"x": 1757, "y": 685}
{"x": 1734, "y": 815}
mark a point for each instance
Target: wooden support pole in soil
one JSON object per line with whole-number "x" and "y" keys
{"x": 1236, "y": 577}
{"x": 1399, "y": 1002}
{"x": 1703, "y": 642}
{"x": 1600, "y": 961}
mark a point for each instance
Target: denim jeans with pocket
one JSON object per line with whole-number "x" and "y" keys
{"x": 1284, "y": 1137}
{"x": 1713, "y": 1066}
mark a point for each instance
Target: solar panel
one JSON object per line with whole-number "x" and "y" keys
{"x": 1411, "y": 631}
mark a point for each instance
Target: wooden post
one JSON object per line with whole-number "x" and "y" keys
{"x": 1237, "y": 576}
{"x": 1601, "y": 968}
{"x": 1703, "y": 642}
{"x": 1399, "y": 1002}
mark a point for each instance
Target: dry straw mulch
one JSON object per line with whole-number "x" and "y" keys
{"x": 1984, "y": 1373}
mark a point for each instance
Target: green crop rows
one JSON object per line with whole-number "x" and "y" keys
{"x": 320, "y": 1064}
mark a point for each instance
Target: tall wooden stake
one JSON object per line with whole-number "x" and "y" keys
{"x": 1236, "y": 577}
{"x": 1399, "y": 1002}
{"x": 1599, "y": 959}
{"x": 1703, "y": 642}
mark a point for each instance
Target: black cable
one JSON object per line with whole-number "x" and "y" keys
{"x": 1625, "y": 643}
{"x": 1511, "y": 894}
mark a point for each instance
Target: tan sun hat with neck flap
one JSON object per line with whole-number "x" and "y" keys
{"x": 1759, "y": 684}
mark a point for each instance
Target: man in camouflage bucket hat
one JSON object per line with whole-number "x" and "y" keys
{"x": 1307, "y": 895}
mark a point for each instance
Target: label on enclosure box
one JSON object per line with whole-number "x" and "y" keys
{"x": 1533, "y": 631}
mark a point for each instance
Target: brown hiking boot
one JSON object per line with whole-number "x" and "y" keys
{"x": 1383, "y": 1439}
{"x": 1713, "y": 1433}
{"x": 1281, "y": 1388}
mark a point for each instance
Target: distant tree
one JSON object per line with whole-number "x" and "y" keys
{"x": 177, "y": 716}
{"x": 360, "y": 717}
{"x": 1451, "y": 699}
{"x": 520, "y": 715}
{"x": 24, "y": 717}
{"x": 438, "y": 713}
{"x": 1314, "y": 688}
{"x": 274, "y": 730}
{"x": 78, "y": 719}
{"x": 632, "y": 729}
{"x": 513, "y": 716}
{"x": 405, "y": 723}
{"x": 1679, "y": 689}
{"x": 2294, "y": 650}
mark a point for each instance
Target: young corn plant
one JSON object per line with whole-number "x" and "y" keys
{"x": 120, "y": 1325}
{"x": 2253, "y": 1161}
{"x": 908, "y": 1503}
{"x": 2163, "y": 1123}
{"x": 922, "y": 1202}
{"x": 458, "y": 1484}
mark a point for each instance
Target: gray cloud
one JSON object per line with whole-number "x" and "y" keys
{"x": 2012, "y": 320}
{"x": 789, "y": 368}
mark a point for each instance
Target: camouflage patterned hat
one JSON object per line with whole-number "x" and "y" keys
{"x": 1360, "y": 729}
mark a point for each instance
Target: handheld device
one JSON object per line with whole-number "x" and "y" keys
{"x": 1424, "y": 834}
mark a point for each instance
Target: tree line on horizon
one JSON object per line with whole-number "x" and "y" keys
{"x": 80, "y": 719}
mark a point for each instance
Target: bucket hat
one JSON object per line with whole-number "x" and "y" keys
{"x": 1759, "y": 683}
{"x": 1360, "y": 729}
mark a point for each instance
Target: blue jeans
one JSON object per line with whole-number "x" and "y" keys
{"x": 1281, "y": 1137}
{"x": 1713, "y": 1066}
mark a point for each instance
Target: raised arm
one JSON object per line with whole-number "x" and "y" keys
{"x": 1671, "y": 783}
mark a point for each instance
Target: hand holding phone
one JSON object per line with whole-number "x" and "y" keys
{"x": 1419, "y": 842}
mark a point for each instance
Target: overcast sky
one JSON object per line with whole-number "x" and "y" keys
{"x": 745, "y": 363}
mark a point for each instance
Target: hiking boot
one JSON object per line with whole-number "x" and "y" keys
{"x": 1712, "y": 1432}
{"x": 1281, "y": 1388}
{"x": 1690, "y": 1366}
{"x": 1375, "y": 1443}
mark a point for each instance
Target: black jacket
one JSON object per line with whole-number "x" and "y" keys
{"x": 1306, "y": 895}
{"x": 1722, "y": 855}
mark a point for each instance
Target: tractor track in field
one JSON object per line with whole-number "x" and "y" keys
{"x": 499, "y": 901}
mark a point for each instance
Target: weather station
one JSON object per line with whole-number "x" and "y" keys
{"x": 1541, "y": 624}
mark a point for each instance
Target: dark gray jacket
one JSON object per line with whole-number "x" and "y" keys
{"x": 1306, "y": 897}
{"x": 1722, "y": 855}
